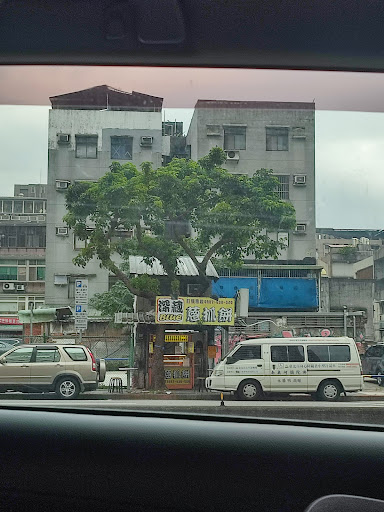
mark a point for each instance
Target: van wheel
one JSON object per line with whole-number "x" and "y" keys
{"x": 67, "y": 388}
{"x": 329, "y": 391}
{"x": 249, "y": 390}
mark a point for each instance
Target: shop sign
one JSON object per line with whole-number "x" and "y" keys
{"x": 177, "y": 375}
{"x": 173, "y": 338}
{"x": 211, "y": 351}
{"x": 10, "y": 321}
{"x": 190, "y": 347}
{"x": 195, "y": 311}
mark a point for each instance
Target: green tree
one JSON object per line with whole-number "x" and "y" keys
{"x": 117, "y": 300}
{"x": 229, "y": 214}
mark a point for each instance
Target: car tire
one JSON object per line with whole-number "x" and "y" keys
{"x": 329, "y": 391}
{"x": 101, "y": 370}
{"x": 67, "y": 388}
{"x": 249, "y": 390}
{"x": 380, "y": 380}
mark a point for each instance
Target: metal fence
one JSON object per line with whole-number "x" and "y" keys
{"x": 101, "y": 346}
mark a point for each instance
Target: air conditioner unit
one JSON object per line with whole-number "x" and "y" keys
{"x": 193, "y": 290}
{"x": 8, "y": 286}
{"x": 233, "y": 156}
{"x": 20, "y": 287}
{"x": 146, "y": 141}
{"x": 62, "y": 184}
{"x": 61, "y": 231}
{"x": 63, "y": 138}
{"x": 301, "y": 228}
{"x": 300, "y": 179}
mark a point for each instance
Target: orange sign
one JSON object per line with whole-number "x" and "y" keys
{"x": 211, "y": 351}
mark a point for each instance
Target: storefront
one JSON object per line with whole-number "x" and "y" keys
{"x": 179, "y": 355}
{"x": 189, "y": 350}
{"x": 10, "y": 327}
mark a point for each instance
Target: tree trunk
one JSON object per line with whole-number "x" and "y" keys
{"x": 158, "y": 378}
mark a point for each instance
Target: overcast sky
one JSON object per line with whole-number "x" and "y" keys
{"x": 349, "y": 122}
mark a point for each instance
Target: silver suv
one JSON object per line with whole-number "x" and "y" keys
{"x": 65, "y": 369}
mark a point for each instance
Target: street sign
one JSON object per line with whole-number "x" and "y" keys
{"x": 81, "y": 291}
{"x": 81, "y": 304}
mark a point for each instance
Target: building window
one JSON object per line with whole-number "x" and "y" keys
{"x": 32, "y": 274}
{"x": 7, "y": 206}
{"x": 277, "y": 139}
{"x": 28, "y": 206}
{"x": 40, "y": 273}
{"x": 234, "y": 137}
{"x": 86, "y": 146}
{"x": 121, "y": 148}
{"x": 39, "y": 207}
{"x": 78, "y": 243}
{"x": 22, "y": 273}
{"x": 8, "y": 273}
{"x": 22, "y": 236}
{"x": 283, "y": 186}
{"x": 18, "y": 207}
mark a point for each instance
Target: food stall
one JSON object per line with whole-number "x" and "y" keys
{"x": 179, "y": 349}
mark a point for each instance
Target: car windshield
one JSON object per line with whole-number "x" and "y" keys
{"x": 151, "y": 219}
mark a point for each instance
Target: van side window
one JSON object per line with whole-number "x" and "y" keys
{"x": 287, "y": 354}
{"x": 341, "y": 353}
{"x": 328, "y": 353}
{"x": 253, "y": 352}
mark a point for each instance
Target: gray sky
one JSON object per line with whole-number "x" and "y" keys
{"x": 349, "y": 122}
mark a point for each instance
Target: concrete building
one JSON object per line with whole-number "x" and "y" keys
{"x": 270, "y": 135}
{"x": 278, "y": 136}
{"x": 349, "y": 279}
{"x": 37, "y": 190}
{"x": 347, "y": 252}
{"x": 22, "y": 254}
{"x": 88, "y": 130}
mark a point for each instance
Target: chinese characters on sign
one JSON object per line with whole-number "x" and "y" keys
{"x": 195, "y": 310}
{"x": 177, "y": 375}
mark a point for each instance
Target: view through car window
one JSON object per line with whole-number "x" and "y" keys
{"x": 192, "y": 239}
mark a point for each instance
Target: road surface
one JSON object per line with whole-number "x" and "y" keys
{"x": 367, "y": 412}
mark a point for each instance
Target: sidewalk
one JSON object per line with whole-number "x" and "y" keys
{"x": 370, "y": 392}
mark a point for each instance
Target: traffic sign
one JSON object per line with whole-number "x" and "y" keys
{"x": 81, "y": 304}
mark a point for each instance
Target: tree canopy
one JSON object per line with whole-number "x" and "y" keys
{"x": 148, "y": 212}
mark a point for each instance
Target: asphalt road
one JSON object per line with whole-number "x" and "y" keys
{"x": 190, "y": 404}
{"x": 365, "y": 412}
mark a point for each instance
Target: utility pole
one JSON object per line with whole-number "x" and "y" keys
{"x": 30, "y": 321}
{"x": 345, "y": 320}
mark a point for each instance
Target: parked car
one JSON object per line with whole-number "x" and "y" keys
{"x": 66, "y": 370}
{"x": 5, "y": 346}
{"x": 372, "y": 360}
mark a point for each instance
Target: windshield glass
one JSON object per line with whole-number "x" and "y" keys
{"x": 153, "y": 218}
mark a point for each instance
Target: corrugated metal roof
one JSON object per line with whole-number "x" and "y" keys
{"x": 185, "y": 267}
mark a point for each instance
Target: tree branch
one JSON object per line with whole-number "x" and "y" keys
{"x": 212, "y": 251}
{"x": 180, "y": 240}
{"x": 110, "y": 265}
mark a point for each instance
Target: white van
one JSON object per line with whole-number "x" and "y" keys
{"x": 323, "y": 367}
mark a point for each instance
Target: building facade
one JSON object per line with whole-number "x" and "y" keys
{"x": 22, "y": 255}
{"x": 281, "y": 137}
{"x": 88, "y": 130}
